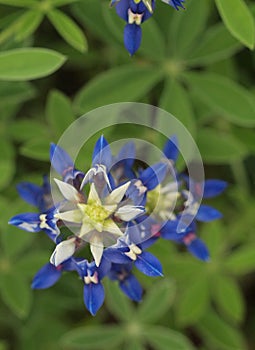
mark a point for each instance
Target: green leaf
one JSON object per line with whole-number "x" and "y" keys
{"x": 126, "y": 83}
{"x": 218, "y": 147}
{"x": 37, "y": 148}
{"x": 134, "y": 344}
{"x": 217, "y": 44}
{"x": 242, "y": 260}
{"x": 62, "y": 2}
{"x": 224, "y": 96}
{"x": 157, "y": 302}
{"x": 59, "y": 112}
{"x": 228, "y": 297}
{"x": 16, "y": 294}
{"x": 238, "y": 20}
{"x": 193, "y": 302}
{"x": 153, "y": 45}
{"x": 30, "y": 263}
{"x": 68, "y": 29}
{"x": 187, "y": 26}
{"x": 19, "y": 3}
{"x": 15, "y": 240}
{"x": 117, "y": 302}
{"x": 27, "y": 129}
{"x": 28, "y": 24}
{"x": 175, "y": 100}
{"x": 14, "y": 93}
{"x": 7, "y": 165}
{"x": 93, "y": 337}
{"x": 30, "y": 63}
{"x": 218, "y": 334}
{"x": 163, "y": 338}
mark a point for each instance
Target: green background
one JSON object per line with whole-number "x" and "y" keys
{"x": 62, "y": 58}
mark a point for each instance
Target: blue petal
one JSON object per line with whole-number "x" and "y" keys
{"x": 206, "y": 213}
{"x": 148, "y": 264}
{"x": 153, "y": 175}
{"x": 102, "y": 153}
{"x": 175, "y": 3}
{"x": 28, "y": 221}
{"x": 199, "y": 249}
{"x": 132, "y": 37}
{"x": 60, "y": 160}
{"x": 122, "y": 9}
{"x": 46, "y": 277}
{"x": 116, "y": 256}
{"x": 132, "y": 288}
{"x": 29, "y": 192}
{"x": 93, "y": 297}
{"x": 171, "y": 148}
{"x": 213, "y": 188}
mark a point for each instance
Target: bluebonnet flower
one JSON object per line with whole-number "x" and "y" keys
{"x": 134, "y": 13}
{"x": 119, "y": 212}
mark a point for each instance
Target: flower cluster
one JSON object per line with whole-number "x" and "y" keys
{"x": 134, "y": 13}
{"x": 114, "y": 213}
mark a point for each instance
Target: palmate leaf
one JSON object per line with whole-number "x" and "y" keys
{"x": 238, "y": 19}
{"x": 100, "y": 337}
{"x": 163, "y": 338}
{"x": 228, "y": 298}
{"x": 29, "y": 63}
{"x": 157, "y": 302}
{"x": 68, "y": 29}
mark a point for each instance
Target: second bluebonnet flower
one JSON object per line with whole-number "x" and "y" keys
{"x": 134, "y": 13}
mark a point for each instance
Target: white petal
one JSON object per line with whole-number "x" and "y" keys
{"x": 70, "y": 216}
{"x": 90, "y": 173}
{"x": 116, "y": 195}
{"x": 111, "y": 227}
{"x": 97, "y": 248}
{"x": 63, "y": 251}
{"x": 85, "y": 229}
{"x": 93, "y": 195}
{"x": 129, "y": 212}
{"x": 68, "y": 191}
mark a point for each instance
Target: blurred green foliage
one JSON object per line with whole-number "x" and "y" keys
{"x": 195, "y": 66}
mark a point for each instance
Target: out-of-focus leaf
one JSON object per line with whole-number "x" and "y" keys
{"x": 113, "y": 22}
{"x": 194, "y": 301}
{"x": 157, "y": 302}
{"x": 68, "y": 29}
{"x": 234, "y": 102}
{"x": 30, "y": 263}
{"x": 126, "y": 83}
{"x": 13, "y": 93}
{"x": 219, "y": 148}
{"x": 28, "y": 64}
{"x": 117, "y": 302}
{"x": 15, "y": 240}
{"x": 37, "y": 148}
{"x": 213, "y": 235}
{"x": 7, "y": 166}
{"x": 187, "y": 26}
{"x": 246, "y": 136}
{"x": 217, "y": 44}
{"x": 28, "y": 24}
{"x": 59, "y": 112}
{"x": 87, "y": 11}
{"x": 62, "y": 2}
{"x": 27, "y": 129}
{"x": 93, "y": 337}
{"x": 238, "y": 20}
{"x": 152, "y": 46}
{"x": 219, "y": 334}
{"x": 16, "y": 293}
{"x": 228, "y": 297}
{"x": 134, "y": 344}
{"x": 163, "y": 338}
{"x": 175, "y": 100}
{"x": 19, "y": 3}
{"x": 242, "y": 260}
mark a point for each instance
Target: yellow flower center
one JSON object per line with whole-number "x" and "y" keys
{"x": 152, "y": 199}
{"x": 96, "y": 212}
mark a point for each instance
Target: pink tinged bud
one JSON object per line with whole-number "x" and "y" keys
{"x": 189, "y": 238}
